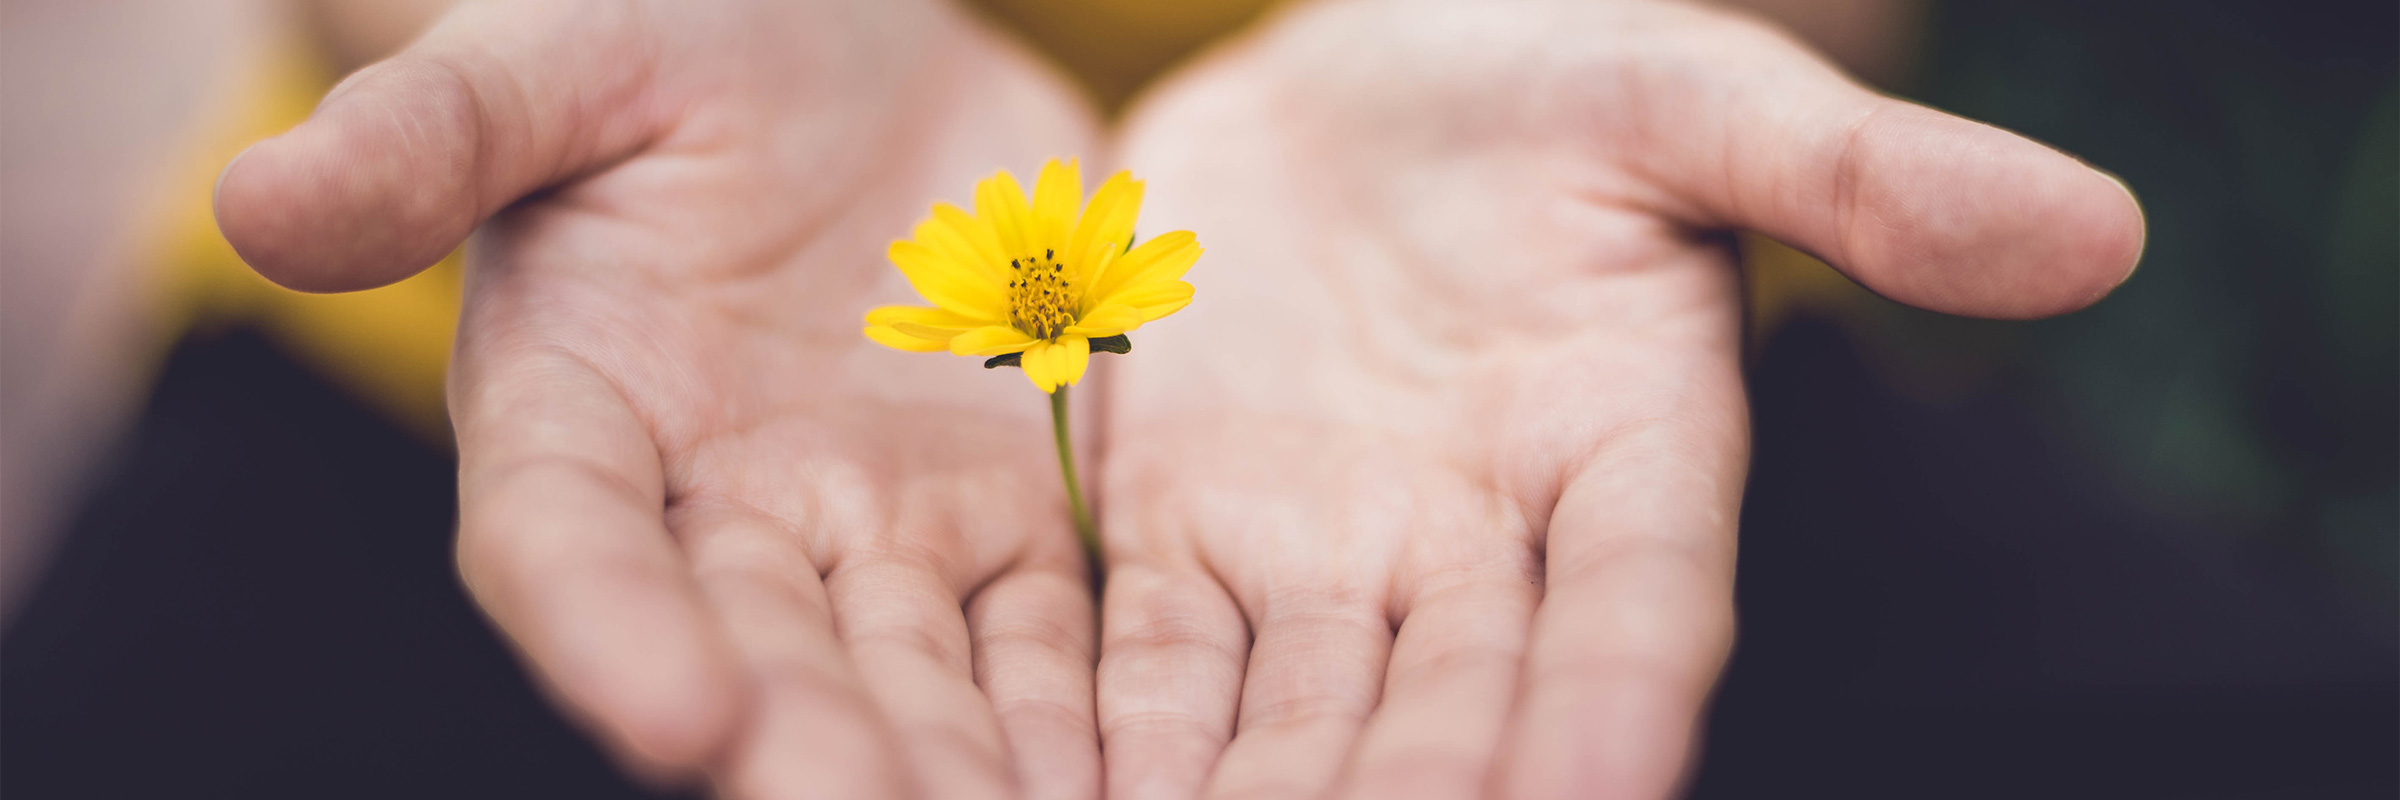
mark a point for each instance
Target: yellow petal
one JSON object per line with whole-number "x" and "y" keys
{"x": 991, "y": 341}
{"x": 920, "y": 315}
{"x": 946, "y": 239}
{"x": 1108, "y": 320}
{"x": 1056, "y": 197}
{"x": 1155, "y": 300}
{"x": 1000, "y": 203}
{"x": 1163, "y": 258}
{"x": 960, "y": 288}
{"x": 916, "y": 328}
{"x": 888, "y": 337}
{"x": 1036, "y": 362}
{"x": 1068, "y": 358}
{"x": 977, "y": 233}
{"x": 1088, "y": 277}
{"x": 1106, "y": 223}
{"x": 927, "y": 331}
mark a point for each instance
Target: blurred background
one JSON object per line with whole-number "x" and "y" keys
{"x": 2151, "y": 549}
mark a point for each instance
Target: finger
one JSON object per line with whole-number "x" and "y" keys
{"x": 561, "y": 542}
{"x": 1033, "y": 633}
{"x": 1637, "y": 614}
{"x": 404, "y": 158}
{"x": 1446, "y": 695}
{"x": 1923, "y": 207}
{"x": 907, "y": 633}
{"x": 813, "y": 731}
{"x": 1172, "y": 648}
{"x": 1316, "y": 670}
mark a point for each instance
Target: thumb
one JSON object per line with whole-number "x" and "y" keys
{"x": 1923, "y": 207}
{"x": 403, "y": 159}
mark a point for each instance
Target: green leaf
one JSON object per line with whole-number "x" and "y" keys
{"x": 1005, "y": 360}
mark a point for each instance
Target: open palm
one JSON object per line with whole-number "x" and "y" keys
{"x": 733, "y": 535}
{"x": 1433, "y": 491}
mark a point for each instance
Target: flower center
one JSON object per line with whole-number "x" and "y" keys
{"x": 1041, "y": 296}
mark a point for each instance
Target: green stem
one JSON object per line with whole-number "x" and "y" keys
{"x": 1085, "y": 530}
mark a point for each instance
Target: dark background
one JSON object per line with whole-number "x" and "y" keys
{"x": 2146, "y": 550}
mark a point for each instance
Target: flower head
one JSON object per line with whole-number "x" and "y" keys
{"x": 1039, "y": 279}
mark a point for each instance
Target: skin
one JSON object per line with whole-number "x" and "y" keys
{"x": 1430, "y": 493}
{"x": 735, "y": 538}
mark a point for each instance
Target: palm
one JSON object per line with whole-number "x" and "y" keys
{"x": 1432, "y": 491}
{"x": 1364, "y": 446}
{"x": 714, "y": 287}
{"x": 850, "y": 536}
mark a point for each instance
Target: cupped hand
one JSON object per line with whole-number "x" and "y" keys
{"x": 732, "y": 535}
{"x": 1432, "y": 492}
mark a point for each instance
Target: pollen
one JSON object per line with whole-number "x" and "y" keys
{"x": 1041, "y": 295}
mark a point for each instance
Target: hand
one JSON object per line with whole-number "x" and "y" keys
{"x": 1432, "y": 491}
{"x": 863, "y": 582}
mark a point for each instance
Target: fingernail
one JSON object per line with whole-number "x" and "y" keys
{"x": 2141, "y": 246}
{"x": 216, "y": 188}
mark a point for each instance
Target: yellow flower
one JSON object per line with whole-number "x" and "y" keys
{"x": 1038, "y": 279}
